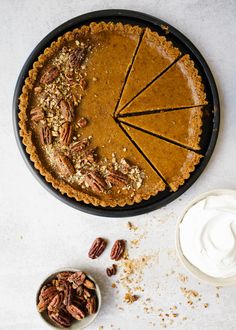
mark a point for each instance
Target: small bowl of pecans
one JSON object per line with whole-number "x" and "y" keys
{"x": 68, "y": 298}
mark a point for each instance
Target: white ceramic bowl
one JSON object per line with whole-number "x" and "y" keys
{"x": 216, "y": 281}
{"x": 76, "y": 325}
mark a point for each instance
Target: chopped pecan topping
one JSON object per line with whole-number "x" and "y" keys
{"x": 67, "y": 110}
{"x": 56, "y": 302}
{"x": 76, "y": 312}
{"x": 49, "y": 75}
{"x": 38, "y": 90}
{"x": 91, "y": 305}
{"x": 45, "y": 135}
{"x": 117, "y": 178}
{"x": 118, "y": 249}
{"x": 37, "y": 114}
{"x": 60, "y": 318}
{"x": 111, "y": 270}
{"x": 97, "y": 248}
{"x": 82, "y": 122}
{"x": 82, "y": 83}
{"x": 65, "y": 164}
{"x": 66, "y": 133}
{"x": 90, "y": 156}
{"x": 95, "y": 182}
{"x": 80, "y": 145}
{"x": 77, "y": 57}
{"x": 77, "y": 279}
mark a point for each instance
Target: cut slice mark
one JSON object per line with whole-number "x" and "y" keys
{"x": 128, "y": 71}
{"x": 161, "y": 137}
{"x": 149, "y": 112}
{"x": 144, "y": 156}
{"x": 150, "y": 83}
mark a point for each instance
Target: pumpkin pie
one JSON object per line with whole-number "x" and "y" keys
{"x": 174, "y": 163}
{"x": 179, "y": 87}
{"x": 153, "y": 56}
{"x": 73, "y": 134}
{"x": 180, "y": 126}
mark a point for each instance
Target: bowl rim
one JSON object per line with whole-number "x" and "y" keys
{"x": 196, "y": 272}
{"x": 72, "y": 269}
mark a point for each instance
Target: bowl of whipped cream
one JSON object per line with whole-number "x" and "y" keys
{"x": 206, "y": 237}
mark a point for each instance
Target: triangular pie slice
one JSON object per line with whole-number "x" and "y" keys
{"x": 182, "y": 126}
{"x": 154, "y": 55}
{"x": 180, "y": 86}
{"x": 174, "y": 163}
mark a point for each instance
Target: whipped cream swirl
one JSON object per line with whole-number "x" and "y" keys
{"x": 208, "y": 235}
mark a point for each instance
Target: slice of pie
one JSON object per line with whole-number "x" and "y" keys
{"x": 66, "y": 118}
{"x": 181, "y": 126}
{"x": 180, "y": 86}
{"x": 154, "y": 55}
{"x": 174, "y": 163}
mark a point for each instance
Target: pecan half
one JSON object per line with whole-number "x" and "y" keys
{"x": 111, "y": 270}
{"x": 77, "y": 57}
{"x": 46, "y": 295}
{"x": 63, "y": 275}
{"x": 80, "y": 145}
{"x": 37, "y": 113}
{"x": 86, "y": 294}
{"x": 89, "y": 284}
{"x": 117, "y": 178}
{"x": 118, "y": 249}
{"x": 68, "y": 294}
{"x": 95, "y": 182}
{"x": 76, "y": 312}
{"x": 65, "y": 164}
{"x": 66, "y": 133}
{"x": 97, "y": 248}
{"x": 91, "y": 305}
{"x": 60, "y": 318}
{"x": 82, "y": 122}
{"x": 45, "y": 135}
{"x": 67, "y": 110}
{"x": 56, "y": 302}
{"x": 49, "y": 75}
{"x": 77, "y": 279}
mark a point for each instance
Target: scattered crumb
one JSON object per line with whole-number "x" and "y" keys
{"x": 189, "y": 293}
{"x": 130, "y": 298}
{"x": 113, "y": 285}
{"x": 132, "y": 226}
{"x": 206, "y": 305}
{"x": 165, "y": 28}
{"x": 183, "y": 278}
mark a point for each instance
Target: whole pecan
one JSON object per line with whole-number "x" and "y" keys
{"x": 37, "y": 113}
{"x": 117, "y": 178}
{"x": 56, "y": 302}
{"x": 86, "y": 294}
{"x": 95, "y": 182}
{"x": 118, "y": 249}
{"x": 111, "y": 270}
{"x": 77, "y": 279}
{"x": 97, "y": 248}
{"x": 91, "y": 305}
{"x": 80, "y": 145}
{"x": 67, "y": 110}
{"x": 77, "y": 57}
{"x": 49, "y": 75}
{"x": 76, "y": 312}
{"x": 45, "y": 135}
{"x": 60, "y": 318}
{"x": 66, "y": 133}
{"x": 82, "y": 122}
{"x": 68, "y": 294}
{"x": 65, "y": 164}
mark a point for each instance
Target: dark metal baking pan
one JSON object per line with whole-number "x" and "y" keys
{"x": 211, "y": 117}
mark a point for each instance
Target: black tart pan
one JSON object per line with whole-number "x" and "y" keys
{"x": 211, "y": 117}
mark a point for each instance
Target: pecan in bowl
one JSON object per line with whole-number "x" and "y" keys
{"x": 68, "y": 298}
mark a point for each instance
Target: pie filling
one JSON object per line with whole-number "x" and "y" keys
{"x": 67, "y": 119}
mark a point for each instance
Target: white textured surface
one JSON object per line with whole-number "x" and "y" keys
{"x": 38, "y": 234}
